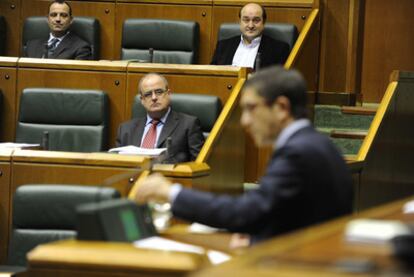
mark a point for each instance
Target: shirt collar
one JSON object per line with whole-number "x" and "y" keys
{"x": 162, "y": 119}
{"x": 291, "y": 129}
{"x": 254, "y": 43}
{"x": 51, "y": 37}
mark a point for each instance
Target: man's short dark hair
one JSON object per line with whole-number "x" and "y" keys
{"x": 264, "y": 15}
{"x": 60, "y": 2}
{"x": 272, "y": 82}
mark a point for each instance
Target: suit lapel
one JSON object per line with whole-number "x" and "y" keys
{"x": 234, "y": 44}
{"x": 170, "y": 124}
{"x": 65, "y": 43}
{"x": 138, "y": 131}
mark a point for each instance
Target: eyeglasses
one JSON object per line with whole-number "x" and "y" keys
{"x": 251, "y": 107}
{"x": 157, "y": 92}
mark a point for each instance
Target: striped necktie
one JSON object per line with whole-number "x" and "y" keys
{"x": 151, "y": 135}
{"x": 52, "y": 46}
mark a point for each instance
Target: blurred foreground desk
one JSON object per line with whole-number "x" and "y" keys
{"x": 77, "y": 258}
{"x": 320, "y": 251}
{"x": 19, "y": 167}
{"x": 82, "y": 258}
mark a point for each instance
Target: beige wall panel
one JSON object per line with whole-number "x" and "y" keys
{"x": 388, "y": 44}
{"x": 334, "y": 45}
{"x": 10, "y": 9}
{"x": 8, "y": 77}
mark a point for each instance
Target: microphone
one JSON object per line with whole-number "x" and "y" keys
{"x": 168, "y": 143}
{"x": 114, "y": 220}
{"x": 165, "y": 156}
{"x": 151, "y": 55}
{"x": 257, "y": 61}
{"x": 45, "y": 140}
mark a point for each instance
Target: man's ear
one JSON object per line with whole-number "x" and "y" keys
{"x": 283, "y": 103}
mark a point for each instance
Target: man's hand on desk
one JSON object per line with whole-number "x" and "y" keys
{"x": 153, "y": 188}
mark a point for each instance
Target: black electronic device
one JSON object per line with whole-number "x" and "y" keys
{"x": 114, "y": 220}
{"x": 403, "y": 248}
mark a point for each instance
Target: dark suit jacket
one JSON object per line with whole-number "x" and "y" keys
{"x": 184, "y": 130}
{"x": 271, "y": 51}
{"x": 71, "y": 47}
{"x": 306, "y": 182}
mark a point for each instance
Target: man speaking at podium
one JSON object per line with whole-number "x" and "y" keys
{"x": 306, "y": 181}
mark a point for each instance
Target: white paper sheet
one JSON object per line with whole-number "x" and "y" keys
{"x": 135, "y": 150}
{"x": 18, "y": 145}
{"x": 159, "y": 243}
{"x": 374, "y": 230}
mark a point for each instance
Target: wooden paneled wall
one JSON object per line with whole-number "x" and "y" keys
{"x": 111, "y": 15}
{"x": 362, "y": 42}
{"x": 388, "y": 44}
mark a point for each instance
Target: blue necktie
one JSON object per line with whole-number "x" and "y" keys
{"x": 52, "y": 46}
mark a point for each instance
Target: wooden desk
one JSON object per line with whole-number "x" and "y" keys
{"x": 81, "y": 258}
{"x": 315, "y": 251}
{"x": 19, "y": 167}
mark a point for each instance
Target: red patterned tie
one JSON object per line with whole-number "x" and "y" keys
{"x": 151, "y": 135}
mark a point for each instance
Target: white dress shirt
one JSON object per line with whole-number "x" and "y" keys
{"x": 245, "y": 55}
{"x": 52, "y": 37}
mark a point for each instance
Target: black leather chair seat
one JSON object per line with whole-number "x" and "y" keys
{"x": 173, "y": 41}
{"x": 206, "y": 108}
{"x": 77, "y": 120}
{"x": 45, "y": 213}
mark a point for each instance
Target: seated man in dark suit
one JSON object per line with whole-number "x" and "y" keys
{"x": 242, "y": 51}
{"x": 306, "y": 182}
{"x": 161, "y": 123}
{"x": 62, "y": 44}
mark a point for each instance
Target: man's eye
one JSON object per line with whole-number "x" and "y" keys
{"x": 257, "y": 19}
{"x": 53, "y": 14}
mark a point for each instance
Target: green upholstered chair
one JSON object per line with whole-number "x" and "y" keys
{"x": 279, "y": 31}
{"x": 173, "y": 41}
{"x": 2, "y": 36}
{"x": 45, "y": 213}
{"x": 87, "y": 28}
{"x": 77, "y": 120}
{"x": 206, "y": 108}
